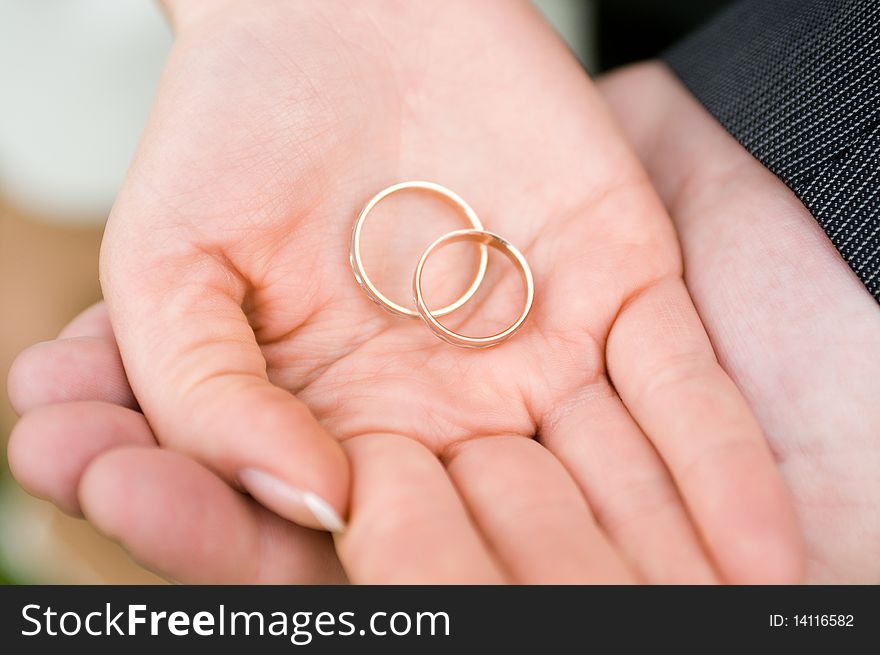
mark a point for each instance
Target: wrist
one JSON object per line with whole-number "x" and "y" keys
{"x": 183, "y": 13}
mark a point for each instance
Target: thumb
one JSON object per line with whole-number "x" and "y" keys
{"x": 200, "y": 377}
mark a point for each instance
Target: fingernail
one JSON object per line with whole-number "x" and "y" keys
{"x": 293, "y": 502}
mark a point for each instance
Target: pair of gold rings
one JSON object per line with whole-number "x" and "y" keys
{"x": 475, "y": 234}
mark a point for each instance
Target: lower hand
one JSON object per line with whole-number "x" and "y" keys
{"x": 787, "y": 317}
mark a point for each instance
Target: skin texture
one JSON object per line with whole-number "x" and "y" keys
{"x": 789, "y": 320}
{"x": 604, "y": 443}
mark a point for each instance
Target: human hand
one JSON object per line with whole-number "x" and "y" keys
{"x": 787, "y": 317}
{"x": 84, "y": 445}
{"x": 271, "y": 130}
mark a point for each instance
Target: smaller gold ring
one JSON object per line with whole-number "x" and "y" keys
{"x": 484, "y": 239}
{"x": 357, "y": 264}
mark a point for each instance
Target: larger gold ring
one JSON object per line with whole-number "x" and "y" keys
{"x": 484, "y": 239}
{"x": 357, "y": 264}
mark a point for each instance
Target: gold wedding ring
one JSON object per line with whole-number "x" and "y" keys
{"x": 476, "y": 234}
{"x": 357, "y": 264}
{"x": 486, "y": 239}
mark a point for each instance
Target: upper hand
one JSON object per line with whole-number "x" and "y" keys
{"x": 604, "y": 433}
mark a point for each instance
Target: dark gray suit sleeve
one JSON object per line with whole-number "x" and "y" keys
{"x": 797, "y": 82}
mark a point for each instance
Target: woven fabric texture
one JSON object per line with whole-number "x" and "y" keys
{"x": 797, "y": 82}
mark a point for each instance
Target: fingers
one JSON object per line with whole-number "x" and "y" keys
{"x": 51, "y": 447}
{"x": 59, "y": 451}
{"x": 178, "y": 518}
{"x": 407, "y": 523}
{"x": 627, "y": 486}
{"x": 200, "y": 377}
{"x": 82, "y": 368}
{"x": 82, "y": 364}
{"x": 91, "y": 322}
{"x": 74, "y": 397}
{"x": 665, "y": 371}
{"x": 532, "y": 514}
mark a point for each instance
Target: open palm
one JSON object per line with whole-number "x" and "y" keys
{"x": 602, "y": 443}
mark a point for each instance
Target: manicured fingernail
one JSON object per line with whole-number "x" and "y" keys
{"x": 292, "y": 502}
